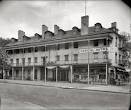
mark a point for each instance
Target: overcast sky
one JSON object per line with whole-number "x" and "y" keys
{"x": 30, "y": 15}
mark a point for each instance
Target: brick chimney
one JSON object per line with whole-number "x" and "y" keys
{"x": 44, "y": 29}
{"x": 56, "y": 29}
{"x": 84, "y": 25}
{"x": 20, "y": 35}
{"x": 114, "y": 25}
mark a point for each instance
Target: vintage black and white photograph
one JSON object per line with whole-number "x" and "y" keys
{"x": 65, "y": 55}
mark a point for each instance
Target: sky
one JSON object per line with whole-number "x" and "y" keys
{"x": 29, "y": 16}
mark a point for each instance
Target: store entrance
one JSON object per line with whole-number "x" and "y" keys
{"x": 63, "y": 75}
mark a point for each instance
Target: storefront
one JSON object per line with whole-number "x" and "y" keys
{"x": 97, "y": 73}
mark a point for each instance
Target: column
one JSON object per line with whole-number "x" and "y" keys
{"x": 45, "y": 74}
{"x": 33, "y": 73}
{"x": 88, "y": 74}
{"x": 106, "y": 74}
{"x": 12, "y": 73}
{"x": 88, "y": 66}
{"x": 45, "y": 63}
{"x": 22, "y": 72}
{"x": 56, "y": 73}
{"x": 71, "y": 67}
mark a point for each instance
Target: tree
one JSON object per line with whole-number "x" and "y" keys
{"x": 3, "y": 55}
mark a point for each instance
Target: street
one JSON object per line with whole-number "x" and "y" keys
{"x": 51, "y": 98}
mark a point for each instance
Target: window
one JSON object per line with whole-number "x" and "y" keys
{"x": 67, "y": 46}
{"x": 23, "y": 61}
{"x": 75, "y": 44}
{"x": 42, "y": 48}
{"x": 95, "y": 56}
{"x": 29, "y": 50}
{"x": 35, "y": 59}
{"x": 105, "y": 42}
{"x": 66, "y": 57}
{"x": 116, "y": 57}
{"x": 17, "y": 61}
{"x": 105, "y": 55}
{"x": 11, "y": 61}
{"x": 57, "y": 58}
{"x": 95, "y": 42}
{"x": 75, "y": 57}
{"x": 116, "y": 42}
{"x": 36, "y": 49}
{"x": 58, "y": 47}
{"x": 29, "y": 60}
{"x": 43, "y": 60}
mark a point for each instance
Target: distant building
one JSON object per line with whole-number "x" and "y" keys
{"x": 91, "y": 54}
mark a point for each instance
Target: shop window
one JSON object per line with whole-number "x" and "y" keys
{"x": 75, "y": 57}
{"x": 66, "y": 57}
{"x": 57, "y": 58}
{"x": 75, "y": 44}
{"x": 35, "y": 59}
{"x": 96, "y": 42}
{"x": 66, "y": 45}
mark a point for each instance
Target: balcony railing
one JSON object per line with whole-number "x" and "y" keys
{"x": 62, "y": 62}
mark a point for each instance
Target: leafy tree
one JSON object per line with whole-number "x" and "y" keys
{"x": 3, "y": 54}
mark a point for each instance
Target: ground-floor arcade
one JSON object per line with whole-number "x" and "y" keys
{"x": 86, "y": 73}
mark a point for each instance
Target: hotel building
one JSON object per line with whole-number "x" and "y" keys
{"x": 90, "y": 54}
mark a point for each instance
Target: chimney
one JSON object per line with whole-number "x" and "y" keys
{"x": 56, "y": 29}
{"x": 114, "y": 25}
{"x": 44, "y": 29}
{"x": 84, "y": 25}
{"x": 20, "y": 35}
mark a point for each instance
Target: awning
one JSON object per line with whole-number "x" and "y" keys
{"x": 64, "y": 66}
{"x": 51, "y": 67}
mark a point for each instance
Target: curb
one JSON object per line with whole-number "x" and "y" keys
{"x": 64, "y": 87}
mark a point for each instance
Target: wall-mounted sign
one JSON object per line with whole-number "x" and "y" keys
{"x": 102, "y": 49}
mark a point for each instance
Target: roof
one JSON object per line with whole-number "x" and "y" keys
{"x": 67, "y": 36}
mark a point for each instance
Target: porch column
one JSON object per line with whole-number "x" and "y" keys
{"x": 88, "y": 73}
{"x": 88, "y": 64}
{"x": 12, "y": 73}
{"x": 22, "y": 73}
{"x": 45, "y": 63}
{"x": 106, "y": 74}
{"x": 56, "y": 73}
{"x": 114, "y": 73}
{"x": 33, "y": 73}
{"x": 45, "y": 74}
{"x": 71, "y": 72}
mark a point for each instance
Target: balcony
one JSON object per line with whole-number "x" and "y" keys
{"x": 27, "y": 64}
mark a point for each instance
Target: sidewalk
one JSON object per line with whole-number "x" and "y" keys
{"x": 65, "y": 85}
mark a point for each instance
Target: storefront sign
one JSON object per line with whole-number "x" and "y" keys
{"x": 102, "y": 49}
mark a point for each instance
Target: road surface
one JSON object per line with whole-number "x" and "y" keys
{"x": 27, "y": 97}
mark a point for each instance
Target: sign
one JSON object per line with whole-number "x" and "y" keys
{"x": 86, "y": 50}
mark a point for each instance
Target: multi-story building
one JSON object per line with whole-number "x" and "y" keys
{"x": 91, "y": 54}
